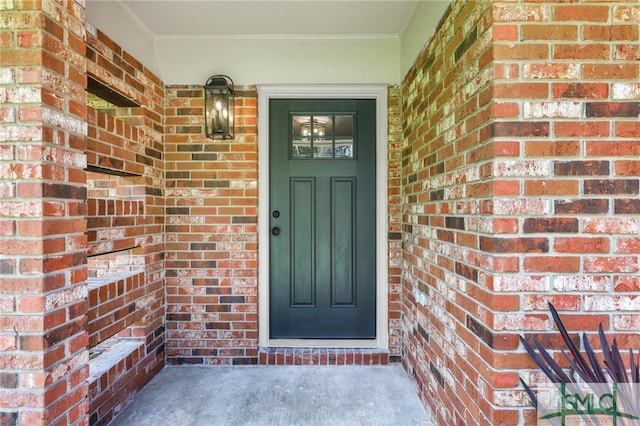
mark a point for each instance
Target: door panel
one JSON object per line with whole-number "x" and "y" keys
{"x": 322, "y": 183}
{"x": 303, "y": 239}
{"x": 343, "y": 248}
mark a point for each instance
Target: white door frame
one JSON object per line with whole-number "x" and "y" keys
{"x": 379, "y": 93}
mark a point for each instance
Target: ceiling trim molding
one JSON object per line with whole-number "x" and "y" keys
{"x": 407, "y": 19}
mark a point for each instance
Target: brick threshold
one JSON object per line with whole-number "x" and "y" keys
{"x": 324, "y": 356}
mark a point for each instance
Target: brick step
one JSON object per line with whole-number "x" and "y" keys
{"x": 323, "y": 356}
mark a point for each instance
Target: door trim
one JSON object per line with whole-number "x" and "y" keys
{"x": 379, "y": 93}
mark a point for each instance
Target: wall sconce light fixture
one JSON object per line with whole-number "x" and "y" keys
{"x": 218, "y": 107}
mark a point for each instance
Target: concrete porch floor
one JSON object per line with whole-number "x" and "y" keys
{"x": 277, "y": 395}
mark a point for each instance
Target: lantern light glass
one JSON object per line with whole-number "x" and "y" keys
{"x": 218, "y": 107}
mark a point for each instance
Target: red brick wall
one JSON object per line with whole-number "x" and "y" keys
{"x": 115, "y": 219}
{"x": 114, "y": 305}
{"x": 446, "y": 117}
{"x": 513, "y": 181}
{"x": 106, "y": 147}
{"x": 573, "y": 125}
{"x": 212, "y": 252}
{"x": 212, "y": 248}
{"x": 125, "y": 222}
{"x": 43, "y": 289}
{"x": 520, "y": 178}
{"x": 131, "y": 143}
{"x": 394, "y": 193}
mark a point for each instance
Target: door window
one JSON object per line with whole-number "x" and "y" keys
{"x": 322, "y": 136}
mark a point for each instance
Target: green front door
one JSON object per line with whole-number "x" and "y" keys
{"x": 322, "y": 219}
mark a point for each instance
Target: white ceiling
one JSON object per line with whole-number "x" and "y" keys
{"x": 163, "y": 34}
{"x": 264, "y": 17}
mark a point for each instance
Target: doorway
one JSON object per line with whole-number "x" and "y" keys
{"x": 322, "y": 282}
{"x": 323, "y": 306}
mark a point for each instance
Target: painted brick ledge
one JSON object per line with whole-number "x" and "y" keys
{"x": 324, "y": 356}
